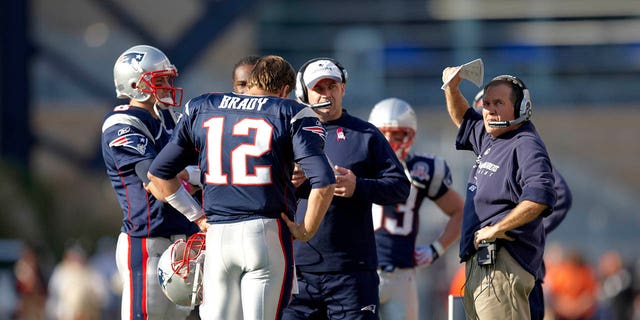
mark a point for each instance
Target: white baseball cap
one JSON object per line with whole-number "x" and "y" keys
{"x": 321, "y": 69}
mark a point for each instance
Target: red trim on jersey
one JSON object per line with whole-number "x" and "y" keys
{"x": 130, "y": 276}
{"x": 145, "y": 260}
{"x": 284, "y": 276}
{"x": 126, "y": 195}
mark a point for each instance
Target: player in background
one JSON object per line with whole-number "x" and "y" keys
{"x": 396, "y": 226}
{"x": 132, "y": 135}
{"x": 246, "y": 146}
{"x": 337, "y": 268}
{"x": 562, "y": 205}
{"x": 241, "y": 72}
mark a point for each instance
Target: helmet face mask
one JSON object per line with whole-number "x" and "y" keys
{"x": 180, "y": 270}
{"x": 138, "y": 72}
{"x": 163, "y": 91}
{"x": 395, "y": 118}
{"x": 400, "y": 139}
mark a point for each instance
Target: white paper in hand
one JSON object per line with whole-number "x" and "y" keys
{"x": 472, "y": 71}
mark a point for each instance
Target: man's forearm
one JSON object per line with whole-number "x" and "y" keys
{"x": 319, "y": 201}
{"x": 452, "y": 205}
{"x": 525, "y": 212}
{"x": 171, "y": 191}
{"x": 161, "y": 188}
{"x": 457, "y": 105}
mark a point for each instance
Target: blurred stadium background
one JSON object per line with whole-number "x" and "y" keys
{"x": 579, "y": 58}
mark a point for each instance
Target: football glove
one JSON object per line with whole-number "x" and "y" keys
{"x": 426, "y": 255}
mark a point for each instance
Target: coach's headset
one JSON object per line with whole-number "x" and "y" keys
{"x": 301, "y": 88}
{"x": 522, "y": 104}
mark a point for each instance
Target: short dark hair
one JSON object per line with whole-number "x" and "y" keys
{"x": 517, "y": 93}
{"x": 249, "y": 60}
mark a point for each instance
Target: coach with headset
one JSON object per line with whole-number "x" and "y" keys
{"x": 336, "y": 269}
{"x": 510, "y": 190}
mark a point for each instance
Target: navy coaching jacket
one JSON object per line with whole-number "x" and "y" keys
{"x": 345, "y": 240}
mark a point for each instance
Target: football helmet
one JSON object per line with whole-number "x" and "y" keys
{"x": 396, "y": 115}
{"x": 477, "y": 101}
{"x": 137, "y": 75}
{"x": 180, "y": 270}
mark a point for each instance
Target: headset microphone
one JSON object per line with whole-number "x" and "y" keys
{"x": 320, "y": 105}
{"x": 499, "y": 124}
{"x": 504, "y": 124}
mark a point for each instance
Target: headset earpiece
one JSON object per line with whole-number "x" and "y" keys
{"x": 301, "y": 88}
{"x": 525, "y": 105}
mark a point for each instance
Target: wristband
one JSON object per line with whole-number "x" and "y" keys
{"x": 438, "y": 247}
{"x": 184, "y": 202}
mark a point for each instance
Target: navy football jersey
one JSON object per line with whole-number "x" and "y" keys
{"x": 131, "y": 135}
{"x": 396, "y": 226}
{"x": 246, "y": 147}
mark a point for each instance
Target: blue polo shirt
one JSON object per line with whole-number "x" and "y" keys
{"x": 509, "y": 169}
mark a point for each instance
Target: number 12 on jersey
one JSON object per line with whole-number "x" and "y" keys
{"x": 240, "y": 153}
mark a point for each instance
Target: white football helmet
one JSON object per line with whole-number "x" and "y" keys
{"x": 477, "y": 101}
{"x": 396, "y": 115}
{"x": 136, "y": 72}
{"x": 180, "y": 270}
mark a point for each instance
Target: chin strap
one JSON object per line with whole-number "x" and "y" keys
{"x": 196, "y": 290}
{"x": 156, "y": 110}
{"x": 157, "y": 107}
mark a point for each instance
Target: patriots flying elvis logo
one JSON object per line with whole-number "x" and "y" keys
{"x": 163, "y": 277}
{"x": 317, "y": 129}
{"x": 134, "y": 141}
{"x": 132, "y": 58}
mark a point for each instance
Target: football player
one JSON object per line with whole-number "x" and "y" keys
{"x": 132, "y": 136}
{"x": 246, "y": 146}
{"x": 241, "y": 72}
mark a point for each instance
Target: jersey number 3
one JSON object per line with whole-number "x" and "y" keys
{"x": 239, "y": 154}
{"x": 403, "y": 225}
